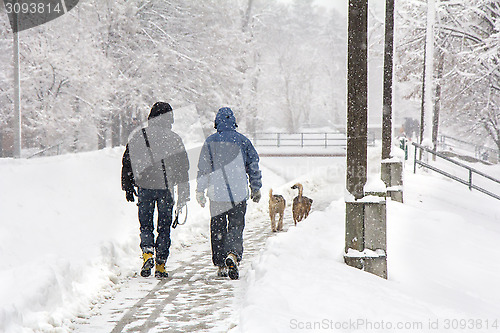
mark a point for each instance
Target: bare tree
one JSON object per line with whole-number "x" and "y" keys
{"x": 466, "y": 70}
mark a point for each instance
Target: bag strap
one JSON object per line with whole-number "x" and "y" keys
{"x": 226, "y": 180}
{"x": 146, "y": 140}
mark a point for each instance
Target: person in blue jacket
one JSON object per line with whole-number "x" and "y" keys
{"x": 227, "y": 167}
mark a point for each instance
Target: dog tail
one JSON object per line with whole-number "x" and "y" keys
{"x": 270, "y": 193}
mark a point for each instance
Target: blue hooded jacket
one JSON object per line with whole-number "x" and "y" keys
{"x": 228, "y": 162}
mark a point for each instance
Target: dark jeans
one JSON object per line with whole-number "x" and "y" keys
{"x": 226, "y": 231}
{"x": 162, "y": 199}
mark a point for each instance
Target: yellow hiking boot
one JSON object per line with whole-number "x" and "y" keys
{"x": 160, "y": 271}
{"x": 149, "y": 261}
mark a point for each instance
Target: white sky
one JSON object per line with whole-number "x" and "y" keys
{"x": 338, "y": 5}
{"x": 341, "y": 5}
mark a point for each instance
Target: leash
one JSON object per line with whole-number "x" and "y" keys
{"x": 176, "y": 220}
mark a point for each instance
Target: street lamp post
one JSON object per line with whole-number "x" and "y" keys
{"x": 357, "y": 97}
{"x": 365, "y": 232}
{"x": 391, "y": 170}
{"x": 388, "y": 73}
{"x": 17, "y": 89}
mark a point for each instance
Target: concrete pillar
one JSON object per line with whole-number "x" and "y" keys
{"x": 366, "y": 239}
{"x": 392, "y": 176}
{"x": 395, "y": 193}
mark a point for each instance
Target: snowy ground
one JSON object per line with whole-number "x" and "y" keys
{"x": 69, "y": 246}
{"x": 442, "y": 262}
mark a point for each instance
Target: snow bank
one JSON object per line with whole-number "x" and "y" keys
{"x": 68, "y": 238}
{"x": 442, "y": 263}
{"x": 65, "y": 235}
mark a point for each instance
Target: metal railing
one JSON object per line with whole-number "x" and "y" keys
{"x": 471, "y": 171}
{"x": 324, "y": 139}
{"x": 480, "y": 152}
{"x": 298, "y": 139}
{"x": 52, "y": 150}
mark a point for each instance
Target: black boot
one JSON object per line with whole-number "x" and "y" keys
{"x": 232, "y": 266}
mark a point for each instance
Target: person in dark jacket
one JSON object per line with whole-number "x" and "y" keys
{"x": 228, "y": 164}
{"x": 155, "y": 161}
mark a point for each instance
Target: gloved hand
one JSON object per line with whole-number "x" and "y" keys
{"x": 181, "y": 202}
{"x": 255, "y": 195}
{"x": 200, "y": 197}
{"x": 130, "y": 195}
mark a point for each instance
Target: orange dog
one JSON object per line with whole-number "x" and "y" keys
{"x": 301, "y": 205}
{"x": 277, "y": 205}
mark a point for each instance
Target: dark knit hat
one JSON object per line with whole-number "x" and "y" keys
{"x": 158, "y": 109}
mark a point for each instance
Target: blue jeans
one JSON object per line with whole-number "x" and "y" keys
{"x": 226, "y": 231}
{"x": 163, "y": 200}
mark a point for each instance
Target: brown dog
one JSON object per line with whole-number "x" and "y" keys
{"x": 277, "y": 205}
{"x": 301, "y": 205}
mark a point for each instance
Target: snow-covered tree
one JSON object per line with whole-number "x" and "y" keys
{"x": 92, "y": 74}
{"x": 466, "y": 70}
{"x": 107, "y": 62}
{"x": 477, "y": 97}
{"x": 303, "y": 56}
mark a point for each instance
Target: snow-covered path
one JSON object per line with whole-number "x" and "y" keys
{"x": 192, "y": 299}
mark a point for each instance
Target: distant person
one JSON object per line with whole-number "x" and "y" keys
{"x": 228, "y": 162}
{"x": 155, "y": 161}
{"x": 411, "y": 128}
